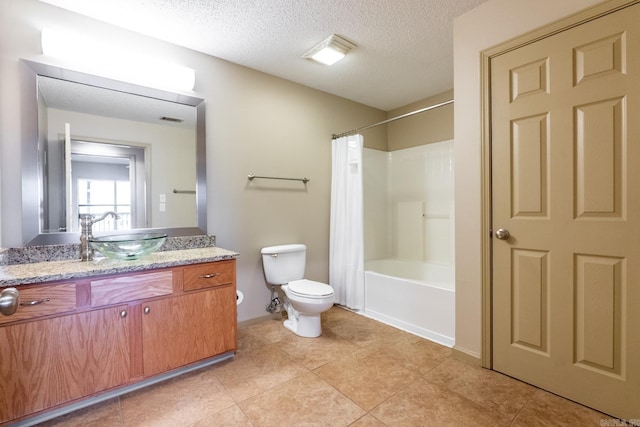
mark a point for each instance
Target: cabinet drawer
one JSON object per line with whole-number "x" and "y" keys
{"x": 209, "y": 275}
{"x": 132, "y": 287}
{"x": 45, "y": 300}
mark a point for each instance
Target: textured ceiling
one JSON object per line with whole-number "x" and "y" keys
{"x": 404, "y": 48}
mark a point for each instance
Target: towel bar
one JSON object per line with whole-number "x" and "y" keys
{"x": 251, "y": 177}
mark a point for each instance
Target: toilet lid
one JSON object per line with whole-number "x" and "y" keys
{"x": 310, "y": 288}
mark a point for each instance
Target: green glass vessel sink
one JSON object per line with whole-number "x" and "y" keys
{"x": 128, "y": 246}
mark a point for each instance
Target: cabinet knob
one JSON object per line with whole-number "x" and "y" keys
{"x": 209, "y": 276}
{"x": 147, "y": 310}
{"x": 123, "y": 313}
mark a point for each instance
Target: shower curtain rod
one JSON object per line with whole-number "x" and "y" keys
{"x": 392, "y": 119}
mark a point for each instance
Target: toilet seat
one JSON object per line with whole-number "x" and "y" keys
{"x": 310, "y": 289}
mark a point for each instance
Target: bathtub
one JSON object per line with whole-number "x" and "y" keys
{"x": 414, "y": 296}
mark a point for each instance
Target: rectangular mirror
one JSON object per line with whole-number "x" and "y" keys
{"x": 94, "y": 145}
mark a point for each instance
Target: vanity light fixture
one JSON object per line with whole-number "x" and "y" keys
{"x": 115, "y": 62}
{"x": 330, "y": 50}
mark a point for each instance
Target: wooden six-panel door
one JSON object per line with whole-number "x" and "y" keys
{"x": 565, "y": 141}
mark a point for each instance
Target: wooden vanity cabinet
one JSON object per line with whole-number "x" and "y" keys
{"x": 200, "y": 322}
{"x": 45, "y": 363}
{"x": 114, "y": 332}
{"x": 187, "y": 328}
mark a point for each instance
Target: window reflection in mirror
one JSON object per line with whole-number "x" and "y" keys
{"x": 107, "y": 177}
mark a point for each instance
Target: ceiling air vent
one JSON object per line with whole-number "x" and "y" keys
{"x": 171, "y": 119}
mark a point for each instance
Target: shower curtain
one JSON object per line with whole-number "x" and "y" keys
{"x": 346, "y": 240}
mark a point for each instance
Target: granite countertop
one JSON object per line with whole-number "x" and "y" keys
{"x": 20, "y": 274}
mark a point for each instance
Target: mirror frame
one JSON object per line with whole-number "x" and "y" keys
{"x": 31, "y": 202}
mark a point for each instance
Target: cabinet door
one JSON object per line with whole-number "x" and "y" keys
{"x": 48, "y": 362}
{"x": 188, "y": 328}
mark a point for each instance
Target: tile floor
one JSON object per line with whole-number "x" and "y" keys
{"x": 358, "y": 373}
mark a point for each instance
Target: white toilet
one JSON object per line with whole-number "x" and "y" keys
{"x": 305, "y": 299}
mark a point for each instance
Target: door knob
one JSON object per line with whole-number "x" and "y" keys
{"x": 502, "y": 233}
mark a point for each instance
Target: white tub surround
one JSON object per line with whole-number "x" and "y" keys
{"x": 409, "y": 272}
{"x": 414, "y": 296}
{"x": 408, "y": 203}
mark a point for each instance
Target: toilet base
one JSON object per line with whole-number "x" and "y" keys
{"x": 307, "y": 326}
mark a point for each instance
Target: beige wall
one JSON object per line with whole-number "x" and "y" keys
{"x": 255, "y": 123}
{"x": 423, "y": 128}
{"x": 488, "y": 25}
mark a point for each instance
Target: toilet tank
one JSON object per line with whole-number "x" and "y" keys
{"x": 283, "y": 263}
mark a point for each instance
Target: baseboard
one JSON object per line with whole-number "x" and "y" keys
{"x": 465, "y": 356}
{"x": 408, "y": 327}
{"x": 110, "y": 394}
{"x": 249, "y": 322}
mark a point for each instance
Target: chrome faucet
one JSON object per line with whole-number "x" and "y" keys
{"x": 86, "y": 233}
